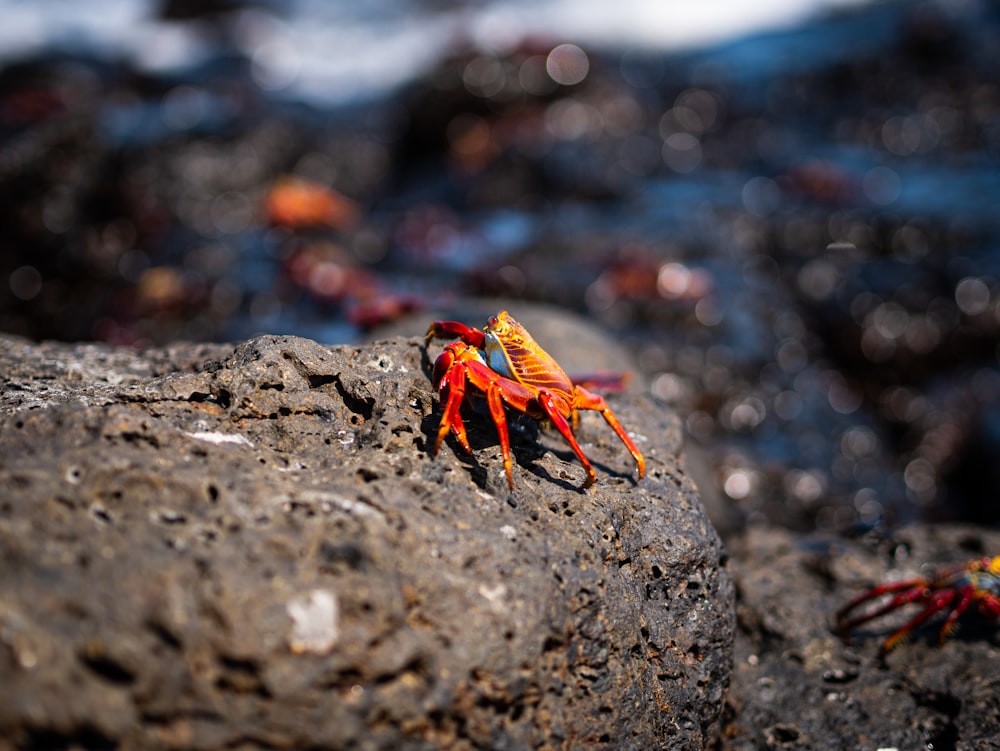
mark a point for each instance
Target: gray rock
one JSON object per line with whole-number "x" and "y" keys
{"x": 203, "y": 547}
{"x": 796, "y": 685}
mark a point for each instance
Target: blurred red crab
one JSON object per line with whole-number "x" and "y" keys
{"x": 953, "y": 589}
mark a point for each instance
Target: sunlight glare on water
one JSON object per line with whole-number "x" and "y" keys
{"x": 330, "y": 52}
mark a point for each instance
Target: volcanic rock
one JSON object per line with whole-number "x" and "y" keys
{"x": 250, "y": 547}
{"x": 797, "y": 685}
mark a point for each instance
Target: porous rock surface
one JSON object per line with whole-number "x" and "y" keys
{"x": 797, "y": 685}
{"x": 249, "y": 546}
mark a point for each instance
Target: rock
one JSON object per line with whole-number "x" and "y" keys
{"x": 797, "y": 685}
{"x": 206, "y": 547}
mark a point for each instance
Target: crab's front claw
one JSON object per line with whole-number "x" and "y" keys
{"x": 449, "y": 380}
{"x": 455, "y": 330}
{"x": 442, "y": 365}
{"x": 434, "y": 331}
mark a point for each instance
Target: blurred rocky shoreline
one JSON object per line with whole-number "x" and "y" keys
{"x": 790, "y": 240}
{"x": 793, "y": 234}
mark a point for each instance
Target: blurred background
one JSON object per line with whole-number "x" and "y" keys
{"x": 789, "y": 210}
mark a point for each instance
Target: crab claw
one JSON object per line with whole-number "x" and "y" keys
{"x": 441, "y": 367}
{"x": 455, "y": 330}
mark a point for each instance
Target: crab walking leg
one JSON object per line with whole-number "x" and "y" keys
{"x": 494, "y": 400}
{"x": 966, "y": 596}
{"x": 953, "y": 590}
{"x": 616, "y": 382}
{"x": 886, "y": 589}
{"x": 586, "y": 400}
{"x": 907, "y": 592}
{"x": 912, "y": 590}
{"x": 989, "y": 606}
{"x": 940, "y": 600}
{"x": 499, "y": 391}
{"x": 552, "y": 411}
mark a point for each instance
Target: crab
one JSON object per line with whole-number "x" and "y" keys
{"x": 505, "y": 363}
{"x": 953, "y": 589}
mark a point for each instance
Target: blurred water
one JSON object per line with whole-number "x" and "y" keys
{"x": 335, "y": 52}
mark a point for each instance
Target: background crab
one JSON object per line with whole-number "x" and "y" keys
{"x": 953, "y": 589}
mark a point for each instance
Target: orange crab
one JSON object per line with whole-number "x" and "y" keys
{"x": 507, "y": 365}
{"x": 953, "y": 589}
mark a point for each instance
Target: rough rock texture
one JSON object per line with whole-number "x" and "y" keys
{"x": 797, "y": 686}
{"x": 215, "y": 547}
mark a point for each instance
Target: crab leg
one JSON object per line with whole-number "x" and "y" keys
{"x": 989, "y": 605}
{"x": 586, "y": 400}
{"x": 967, "y": 595}
{"x": 603, "y": 381}
{"x": 494, "y": 400}
{"x": 940, "y": 600}
{"x": 556, "y": 409}
{"x": 908, "y": 592}
{"x": 953, "y": 590}
{"x": 552, "y": 411}
{"x": 919, "y": 587}
{"x": 461, "y": 365}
